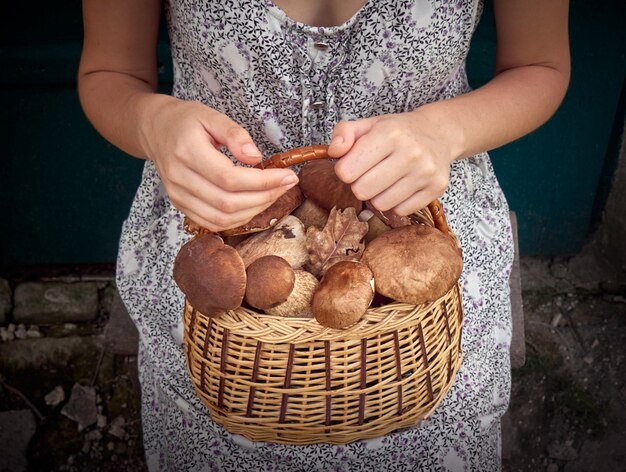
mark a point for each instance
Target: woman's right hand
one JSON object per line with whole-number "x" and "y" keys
{"x": 183, "y": 139}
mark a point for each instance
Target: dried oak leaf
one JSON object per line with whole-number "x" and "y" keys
{"x": 340, "y": 240}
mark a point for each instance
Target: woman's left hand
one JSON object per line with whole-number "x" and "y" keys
{"x": 400, "y": 162}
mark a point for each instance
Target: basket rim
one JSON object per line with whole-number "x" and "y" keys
{"x": 281, "y": 329}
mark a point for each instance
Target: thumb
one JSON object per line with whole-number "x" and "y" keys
{"x": 238, "y": 141}
{"x": 346, "y": 134}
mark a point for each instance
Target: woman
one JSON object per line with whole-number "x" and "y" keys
{"x": 385, "y": 83}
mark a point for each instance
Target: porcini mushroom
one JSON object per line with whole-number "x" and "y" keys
{"x": 298, "y": 304}
{"x": 286, "y": 239}
{"x": 343, "y": 295}
{"x": 375, "y": 226}
{"x": 270, "y": 282}
{"x": 210, "y": 274}
{"x": 285, "y": 204}
{"x": 413, "y": 264}
{"x": 319, "y": 183}
{"x": 311, "y": 214}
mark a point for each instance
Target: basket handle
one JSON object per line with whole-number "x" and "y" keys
{"x": 320, "y": 151}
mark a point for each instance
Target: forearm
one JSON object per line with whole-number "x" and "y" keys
{"x": 514, "y": 103}
{"x": 119, "y": 106}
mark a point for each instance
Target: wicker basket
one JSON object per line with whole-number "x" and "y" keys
{"x": 293, "y": 381}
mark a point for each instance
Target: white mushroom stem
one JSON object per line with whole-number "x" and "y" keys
{"x": 299, "y": 302}
{"x": 366, "y": 215}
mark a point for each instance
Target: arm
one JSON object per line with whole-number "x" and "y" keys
{"x": 531, "y": 77}
{"x": 117, "y": 82}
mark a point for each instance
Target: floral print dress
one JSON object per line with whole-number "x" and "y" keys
{"x": 289, "y": 84}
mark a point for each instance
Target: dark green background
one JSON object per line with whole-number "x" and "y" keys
{"x": 64, "y": 191}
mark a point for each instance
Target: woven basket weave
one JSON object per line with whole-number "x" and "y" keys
{"x": 293, "y": 381}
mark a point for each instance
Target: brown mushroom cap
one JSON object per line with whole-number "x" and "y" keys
{"x": 343, "y": 295}
{"x": 270, "y": 282}
{"x": 210, "y": 274}
{"x": 285, "y": 204}
{"x": 413, "y": 264}
{"x": 319, "y": 182}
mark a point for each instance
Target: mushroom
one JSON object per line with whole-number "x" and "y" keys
{"x": 286, "y": 239}
{"x": 319, "y": 183}
{"x": 413, "y": 264}
{"x": 270, "y": 282}
{"x": 298, "y": 304}
{"x": 344, "y": 294}
{"x": 285, "y": 204}
{"x": 375, "y": 226}
{"x": 210, "y": 274}
{"x": 311, "y": 214}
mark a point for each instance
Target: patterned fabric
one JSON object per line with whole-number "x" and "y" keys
{"x": 289, "y": 84}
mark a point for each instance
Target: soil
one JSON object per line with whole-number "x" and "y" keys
{"x": 567, "y": 408}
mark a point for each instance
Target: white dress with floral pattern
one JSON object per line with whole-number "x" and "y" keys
{"x": 289, "y": 84}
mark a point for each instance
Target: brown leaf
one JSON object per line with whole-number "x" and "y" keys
{"x": 340, "y": 240}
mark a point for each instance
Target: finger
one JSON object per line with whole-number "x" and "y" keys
{"x": 396, "y": 194}
{"x": 379, "y": 178}
{"x": 231, "y": 202}
{"x": 366, "y": 152}
{"x": 213, "y": 218}
{"x": 228, "y": 133}
{"x": 346, "y": 134}
{"x": 414, "y": 203}
{"x": 215, "y": 167}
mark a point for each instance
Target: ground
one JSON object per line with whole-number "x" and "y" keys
{"x": 568, "y": 401}
{"x": 567, "y": 408}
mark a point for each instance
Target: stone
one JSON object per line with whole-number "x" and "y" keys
{"x": 20, "y": 332}
{"x": 17, "y": 428}
{"x": 116, "y": 428}
{"x": 55, "y": 397}
{"x": 33, "y": 332}
{"x": 5, "y": 300}
{"x": 101, "y": 421}
{"x": 6, "y": 335}
{"x": 93, "y": 436}
{"x": 55, "y": 302}
{"x": 24, "y": 354}
{"x": 82, "y": 406}
{"x": 120, "y": 333}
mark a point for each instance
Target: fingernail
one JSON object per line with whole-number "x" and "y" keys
{"x": 251, "y": 150}
{"x": 289, "y": 180}
{"x": 336, "y": 141}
